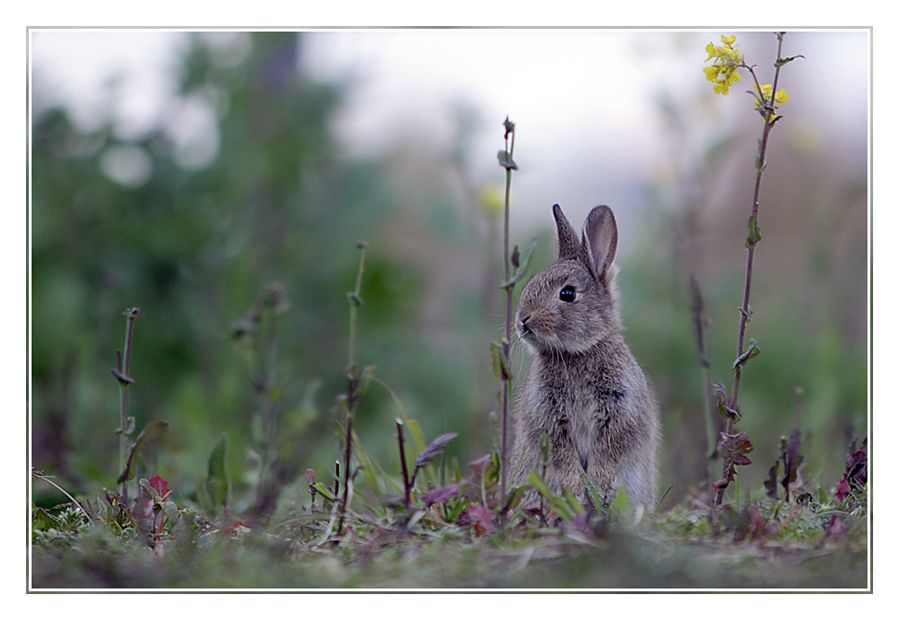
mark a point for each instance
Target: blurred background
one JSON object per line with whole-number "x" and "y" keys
{"x": 183, "y": 172}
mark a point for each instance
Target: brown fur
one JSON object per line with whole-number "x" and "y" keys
{"x": 584, "y": 390}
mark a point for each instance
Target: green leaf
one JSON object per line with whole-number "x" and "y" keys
{"x": 500, "y": 362}
{"x": 368, "y": 465}
{"x": 781, "y": 62}
{"x": 152, "y": 432}
{"x": 752, "y": 351}
{"x": 557, "y": 503}
{"x": 623, "y": 505}
{"x": 41, "y": 519}
{"x": 513, "y": 498}
{"x": 574, "y": 503}
{"x": 217, "y": 484}
{"x": 753, "y": 235}
{"x": 324, "y": 492}
{"x": 416, "y": 432}
{"x": 171, "y": 510}
{"x": 546, "y": 450}
{"x": 506, "y": 161}
{"x": 718, "y": 391}
{"x": 365, "y": 378}
{"x": 593, "y": 491}
{"x": 521, "y": 265}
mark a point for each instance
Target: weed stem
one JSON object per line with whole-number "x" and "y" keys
{"x": 353, "y": 382}
{"x": 751, "y": 248}
{"x": 122, "y": 373}
{"x": 509, "y": 138}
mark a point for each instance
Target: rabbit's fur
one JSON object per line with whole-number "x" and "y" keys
{"x": 584, "y": 390}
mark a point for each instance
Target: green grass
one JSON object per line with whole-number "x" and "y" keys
{"x": 763, "y": 544}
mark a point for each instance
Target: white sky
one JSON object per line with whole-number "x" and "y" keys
{"x": 582, "y": 100}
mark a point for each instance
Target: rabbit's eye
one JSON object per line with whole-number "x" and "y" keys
{"x": 567, "y": 293}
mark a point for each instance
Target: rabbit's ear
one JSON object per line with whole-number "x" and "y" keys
{"x": 569, "y": 246}
{"x": 599, "y": 239}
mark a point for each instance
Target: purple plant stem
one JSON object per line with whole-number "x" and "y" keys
{"x": 508, "y": 328}
{"x": 748, "y": 273}
{"x": 400, "y": 444}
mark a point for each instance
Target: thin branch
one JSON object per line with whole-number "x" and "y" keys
{"x": 403, "y": 467}
{"x": 122, "y": 373}
{"x": 47, "y": 479}
{"x": 509, "y": 138}
{"x": 353, "y": 382}
{"x": 751, "y": 248}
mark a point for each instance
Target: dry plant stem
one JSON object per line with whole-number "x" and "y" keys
{"x": 353, "y": 377}
{"x": 271, "y": 354}
{"x": 748, "y": 273}
{"x": 713, "y": 424}
{"x": 354, "y": 306}
{"x": 347, "y": 450}
{"x": 49, "y": 481}
{"x": 400, "y": 445}
{"x": 123, "y": 375}
{"x": 506, "y": 382}
{"x": 337, "y": 479}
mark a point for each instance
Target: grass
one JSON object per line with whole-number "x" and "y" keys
{"x": 679, "y": 549}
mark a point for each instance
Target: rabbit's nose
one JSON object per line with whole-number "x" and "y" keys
{"x": 524, "y": 322}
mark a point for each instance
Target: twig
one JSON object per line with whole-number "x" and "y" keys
{"x": 400, "y": 446}
{"x": 353, "y": 381}
{"x": 713, "y": 427}
{"x": 509, "y": 138}
{"x": 337, "y": 478}
{"x": 122, "y": 373}
{"x": 47, "y": 479}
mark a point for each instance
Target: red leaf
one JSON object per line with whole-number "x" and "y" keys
{"x": 843, "y": 490}
{"x": 440, "y": 495}
{"x": 160, "y": 485}
{"x": 479, "y": 518}
{"x": 235, "y": 528}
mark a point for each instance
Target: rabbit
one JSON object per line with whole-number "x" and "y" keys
{"x": 584, "y": 388}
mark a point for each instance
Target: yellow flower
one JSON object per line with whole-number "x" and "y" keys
{"x": 781, "y": 98}
{"x": 723, "y": 72}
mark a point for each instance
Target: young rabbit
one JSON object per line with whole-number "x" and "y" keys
{"x": 584, "y": 390}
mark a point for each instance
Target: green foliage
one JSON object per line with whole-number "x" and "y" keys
{"x": 217, "y": 482}
{"x": 148, "y": 436}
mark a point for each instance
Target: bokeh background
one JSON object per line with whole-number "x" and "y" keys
{"x": 183, "y": 172}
